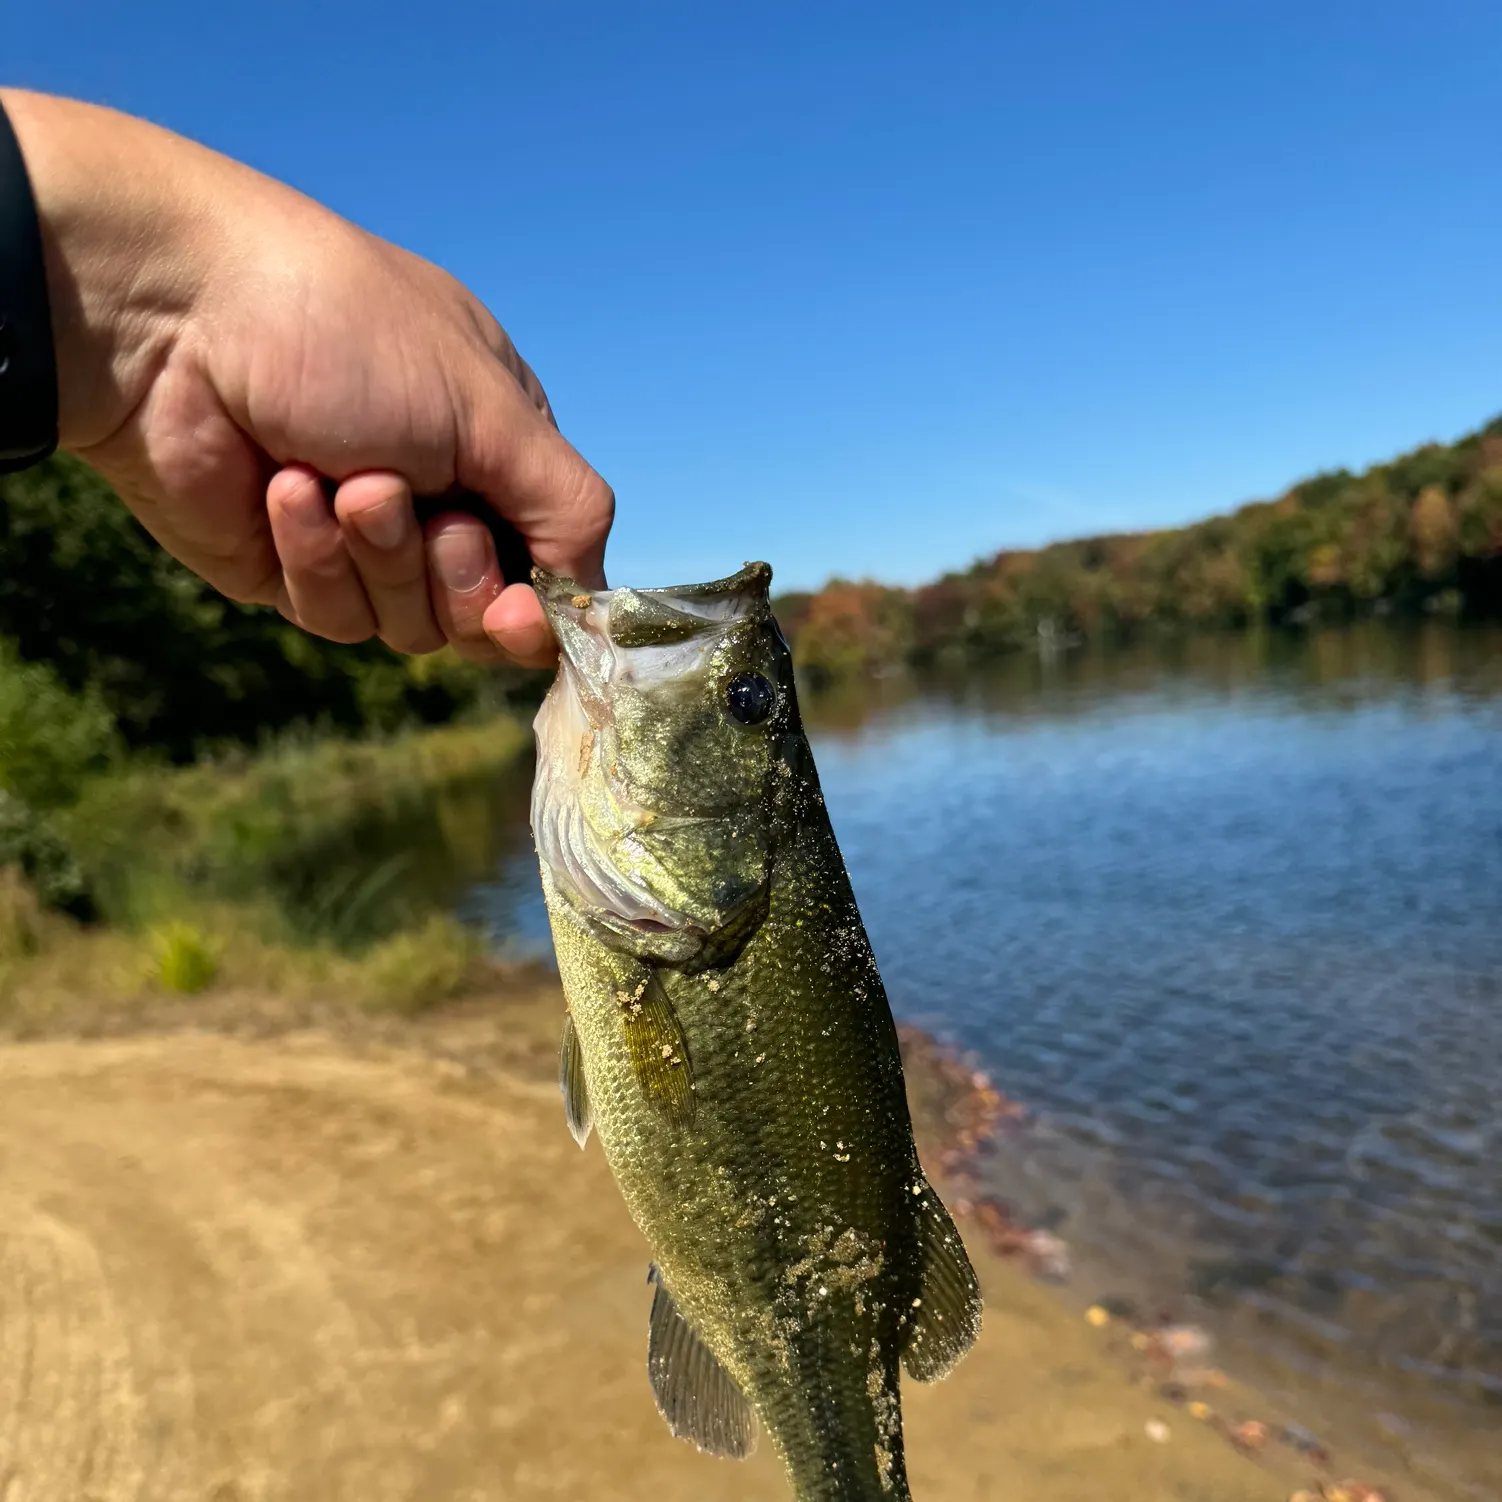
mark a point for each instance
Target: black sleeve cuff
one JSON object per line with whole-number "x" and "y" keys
{"x": 28, "y": 363}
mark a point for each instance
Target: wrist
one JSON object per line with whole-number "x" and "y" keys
{"x": 121, "y": 240}
{"x": 28, "y": 369}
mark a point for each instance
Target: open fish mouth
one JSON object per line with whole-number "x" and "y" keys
{"x": 609, "y": 858}
{"x": 645, "y": 636}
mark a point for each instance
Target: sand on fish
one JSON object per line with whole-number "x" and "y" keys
{"x": 360, "y": 1265}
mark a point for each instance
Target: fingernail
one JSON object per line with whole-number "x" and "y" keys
{"x": 383, "y": 526}
{"x": 461, "y": 559}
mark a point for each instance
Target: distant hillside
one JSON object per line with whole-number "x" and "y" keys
{"x": 1422, "y": 533}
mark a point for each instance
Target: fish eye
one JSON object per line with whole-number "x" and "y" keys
{"x": 750, "y": 698}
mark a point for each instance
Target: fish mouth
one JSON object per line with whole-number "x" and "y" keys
{"x": 717, "y": 600}
{"x": 644, "y": 636}
{"x": 597, "y": 861}
{"x": 648, "y": 925}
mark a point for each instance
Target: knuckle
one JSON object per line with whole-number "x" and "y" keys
{"x": 403, "y": 578}
{"x": 590, "y": 514}
{"x": 600, "y": 506}
{"x": 322, "y": 570}
{"x": 533, "y": 387}
{"x": 584, "y": 498}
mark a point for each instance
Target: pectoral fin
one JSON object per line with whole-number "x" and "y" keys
{"x": 943, "y": 1324}
{"x": 658, "y": 1050}
{"x": 576, "y": 1107}
{"x": 695, "y": 1394}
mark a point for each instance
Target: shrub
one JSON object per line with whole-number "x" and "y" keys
{"x": 421, "y": 968}
{"x": 183, "y": 958}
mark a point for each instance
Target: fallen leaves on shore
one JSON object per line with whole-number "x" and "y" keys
{"x": 1346, "y": 1491}
{"x": 1252, "y": 1434}
{"x": 968, "y": 1114}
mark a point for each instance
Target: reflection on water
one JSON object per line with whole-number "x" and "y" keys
{"x": 1228, "y": 914}
{"x": 464, "y": 847}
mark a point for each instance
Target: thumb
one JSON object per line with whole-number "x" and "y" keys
{"x": 511, "y": 454}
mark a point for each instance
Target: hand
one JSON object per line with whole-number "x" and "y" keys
{"x": 266, "y": 385}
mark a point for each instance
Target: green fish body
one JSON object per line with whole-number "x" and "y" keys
{"x": 729, "y": 1039}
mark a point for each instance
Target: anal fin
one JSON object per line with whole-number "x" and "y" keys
{"x": 695, "y": 1394}
{"x": 577, "y": 1110}
{"x": 658, "y": 1049}
{"x": 946, "y": 1320}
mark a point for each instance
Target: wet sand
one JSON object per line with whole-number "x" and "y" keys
{"x": 367, "y": 1262}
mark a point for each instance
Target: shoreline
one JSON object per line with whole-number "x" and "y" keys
{"x": 1255, "y": 1411}
{"x": 366, "y": 1175}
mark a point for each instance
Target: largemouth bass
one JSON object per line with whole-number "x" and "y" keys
{"x": 729, "y": 1040}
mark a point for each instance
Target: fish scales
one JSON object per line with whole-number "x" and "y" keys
{"x": 735, "y": 1049}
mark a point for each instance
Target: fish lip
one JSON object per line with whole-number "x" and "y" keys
{"x": 671, "y": 924}
{"x": 659, "y": 942}
{"x": 652, "y": 926}
{"x": 559, "y": 591}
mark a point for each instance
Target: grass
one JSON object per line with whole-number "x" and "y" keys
{"x": 266, "y": 831}
{"x": 24, "y": 923}
{"x": 216, "y": 826}
{"x": 414, "y": 971}
{"x": 186, "y": 867}
{"x": 184, "y": 959}
{"x": 97, "y": 977}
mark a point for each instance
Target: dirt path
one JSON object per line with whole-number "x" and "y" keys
{"x": 283, "y": 1269}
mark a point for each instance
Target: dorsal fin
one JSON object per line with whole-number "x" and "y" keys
{"x": 695, "y": 1394}
{"x": 946, "y": 1320}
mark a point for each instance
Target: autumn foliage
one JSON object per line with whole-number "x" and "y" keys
{"x": 1420, "y": 533}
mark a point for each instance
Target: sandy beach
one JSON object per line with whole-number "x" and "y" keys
{"x": 311, "y": 1261}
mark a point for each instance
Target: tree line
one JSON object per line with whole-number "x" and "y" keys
{"x": 1421, "y": 533}
{"x": 107, "y": 644}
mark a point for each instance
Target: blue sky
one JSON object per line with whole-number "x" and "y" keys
{"x": 876, "y": 289}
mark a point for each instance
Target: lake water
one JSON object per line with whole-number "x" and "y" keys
{"x": 1230, "y": 920}
{"x": 1228, "y": 916}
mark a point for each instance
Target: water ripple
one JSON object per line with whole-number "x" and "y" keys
{"x": 1242, "y": 950}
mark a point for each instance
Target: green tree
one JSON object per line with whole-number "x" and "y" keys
{"x": 50, "y": 739}
{"x": 91, "y": 594}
